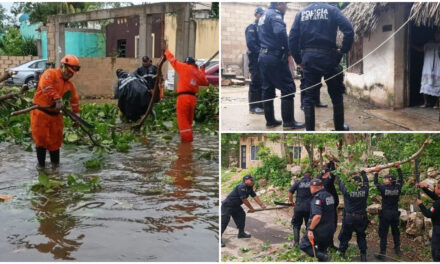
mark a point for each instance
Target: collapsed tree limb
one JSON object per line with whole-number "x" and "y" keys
{"x": 23, "y": 89}
{"x": 391, "y": 164}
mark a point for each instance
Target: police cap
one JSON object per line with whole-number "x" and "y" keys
{"x": 248, "y": 177}
{"x": 145, "y": 59}
{"x": 259, "y": 10}
{"x": 316, "y": 182}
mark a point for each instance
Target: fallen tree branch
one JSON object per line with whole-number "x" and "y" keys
{"x": 391, "y": 164}
{"x": 269, "y": 208}
{"x": 23, "y": 89}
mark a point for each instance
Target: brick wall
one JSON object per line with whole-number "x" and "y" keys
{"x": 7, "y": 62}
{"x": 235, "y": 18}
{"x": 98, "y": 75}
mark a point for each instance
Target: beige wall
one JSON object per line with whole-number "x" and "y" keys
{"x": 98, "y": 75}
{"x": 7, "y": 62}
{"x": 254, "y": 140}
{"x": 235, "y": 18}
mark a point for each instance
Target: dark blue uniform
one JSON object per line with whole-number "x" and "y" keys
{"x": 253, "y": 45}
{"x": 231, "y": 206}
{"x": 389, "y": 215}
{"x": 301, "y": 211}
{"x": 434, "y": 213}
{"x": 312, "y": 42}
{"x": 274, "y": 67}
{"x": 329, "y": 186}
{"x": 148, "y": 73}
{"x": 355, "y": 215}
{"x": 322, "y": 203}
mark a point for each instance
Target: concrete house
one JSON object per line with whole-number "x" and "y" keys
{"x": 389, "y": 77}
{"x": 249, "y": 149}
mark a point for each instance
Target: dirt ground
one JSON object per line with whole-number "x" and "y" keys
{"x": 360, "y": 116}
{"x": 272, "y": 235}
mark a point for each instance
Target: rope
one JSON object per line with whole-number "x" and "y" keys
{"x": 331, "y": 77}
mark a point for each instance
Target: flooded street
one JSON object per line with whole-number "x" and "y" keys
{"x": 158, "y": 202}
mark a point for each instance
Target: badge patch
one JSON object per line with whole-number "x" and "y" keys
{"x": 432, "y": 209}
{"x": 318, "y": 202}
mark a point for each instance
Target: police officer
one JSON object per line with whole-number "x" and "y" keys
{"x": 312, "y": 42}
{"x": 253, "y": 50}
{"x": 274, "y": 66}
{"x": 320, "y": 229}
{"x": 148, "y": 71}
{"x": 434, "y": 213}
{"x": 231, "y": 206}
{"x": 389, "y": 215}
{"x": 355, "y": 215}
{"x": 301, "y": 211}
{"x": 328, "y": 181}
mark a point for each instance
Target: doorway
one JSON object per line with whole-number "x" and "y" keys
{"x": 418, "y": 37}
{"x": 243, "y": 157}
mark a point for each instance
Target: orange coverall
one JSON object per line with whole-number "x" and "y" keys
{"x": 190, "y": 78}
{"x": 47, "y": 130}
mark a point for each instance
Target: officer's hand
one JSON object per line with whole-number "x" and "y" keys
{"x": 377, "y": 169}
{"x": 292, "y": 204}
{"x": 339, "y": 51}
{"x": 419, "y": 202}
{"x": 164, "y": 45}
{"x": 251, "y": 210}
{"x": 310, "y": 235}
{"x": 423, "y": 185}
{"x": 263, "y": 206}
{"x": 397, "y": 164}
{"x": 59, "y": 103}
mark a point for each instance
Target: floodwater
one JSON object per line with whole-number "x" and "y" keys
{"x": 158, "y": 202}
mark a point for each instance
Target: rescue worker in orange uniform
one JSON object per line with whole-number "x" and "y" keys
{"x": 47, "y": 124}
{"x": 190, "y": 78}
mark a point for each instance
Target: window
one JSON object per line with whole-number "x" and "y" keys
{"x": 41, "y": 65}
{"x": 122, "y": 47}
{"x": 254, "y": 153}
{"x": 296, "y": 152}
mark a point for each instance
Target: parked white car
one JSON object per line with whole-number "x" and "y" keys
{"x": 26, "y": 73}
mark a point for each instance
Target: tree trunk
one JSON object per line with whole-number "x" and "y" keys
{"x": 321, "y": 160}
{"x": 309, "y": 150}
{"x": 349, "y": 139}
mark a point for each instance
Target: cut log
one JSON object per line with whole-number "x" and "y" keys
{"x": 237, "y": 82}
{"x": 226, "y": 82}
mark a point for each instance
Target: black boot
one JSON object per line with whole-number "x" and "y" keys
{"x": 380, "y": 255}
{"x": 242, "y": 234}
{"x": 41, "y": 156}
{"x": 309, "y": 114}
{"x": 342, "y": 254}
{"x": 338, "y": 117}
{"x": 223, "y": 243}
{"x": 270, "y": 115}
{"x": 255, "y": 108}
{"x": 296, "y": 237}
{"x": 55, "y": 158}
{"x": 287, "y": 113}
{"x": 323, "y": 257}
{"x": 398, "y": 252}
{"x": 363, "y": 256}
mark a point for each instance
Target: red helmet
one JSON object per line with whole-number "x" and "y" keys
{"x": 71, "y": 62}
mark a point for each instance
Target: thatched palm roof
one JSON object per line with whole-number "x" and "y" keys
{"x": 365, "y": 15}
{"x": 426, "y": 14}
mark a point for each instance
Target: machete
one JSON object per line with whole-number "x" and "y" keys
{"x": 270, "y": 208}
{"x": 281, "y": 203}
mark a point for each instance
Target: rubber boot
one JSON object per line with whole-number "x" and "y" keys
{"x": 363, "y": 256}
{"x": 287, "y": 113}
{"x": 318, "y": 101}
{"x": 309, "y": 115}
{"x": 270, "y": 115}
{"x": 223, "y": 243}
{"x": 41, "y": 156}
{"x": 296, "y": 237}
{"x": 338, "y": 117}
{"x": 323, "y": 257}
{"x": 55, "y": 158}
{"x": 242, "y": 234}
{"x": 380, "y": 255}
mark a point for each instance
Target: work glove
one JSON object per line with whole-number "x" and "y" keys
{"x": 59, "y": 103}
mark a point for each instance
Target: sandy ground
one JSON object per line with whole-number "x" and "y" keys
{"x": 360, "y": 116}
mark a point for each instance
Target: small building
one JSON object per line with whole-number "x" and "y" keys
{"x": 249, "y": 146}
{"x": 390, "y": 76}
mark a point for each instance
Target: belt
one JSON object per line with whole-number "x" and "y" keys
{"x": 356, "y": 215}
{"x": 322, "y": 51}
{"x": 275, "y": 53}
{"x": 187, "y": 93}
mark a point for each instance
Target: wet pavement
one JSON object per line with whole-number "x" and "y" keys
{"x": 158, "y": 202}
{"x": 359, "y": 115}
